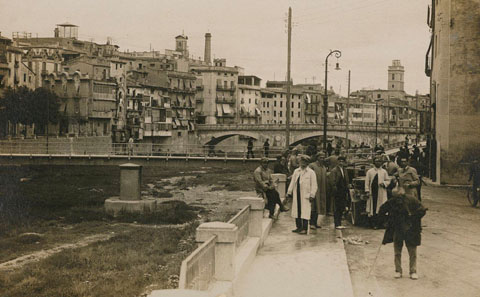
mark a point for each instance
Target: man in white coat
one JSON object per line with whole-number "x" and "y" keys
{"x": 303, "y": 188}
{"x": 376, "y": 183}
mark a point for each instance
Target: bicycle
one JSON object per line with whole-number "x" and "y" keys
{"x": 471, "y": 197}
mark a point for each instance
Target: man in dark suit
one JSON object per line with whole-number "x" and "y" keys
{"x": 338, "y": 179}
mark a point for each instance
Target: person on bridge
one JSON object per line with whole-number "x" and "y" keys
{"x": 407, "y": 178}
{"x": 404, "y": 213}
{"x": 376, "y": 183}
{"x": 250, "y": 149}
{"x": 265, "y": 188}
{"x": 319, "y": 204}
{"x": 266, "y": 148}
{"x": 339, "y": 185}
{"x": 211, "y": 147}
{"x": 302, "y": 189}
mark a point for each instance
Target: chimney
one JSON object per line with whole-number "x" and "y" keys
{"x": 208, "y": 48}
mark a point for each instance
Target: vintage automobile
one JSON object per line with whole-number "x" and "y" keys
{"x": 358, "y": 197}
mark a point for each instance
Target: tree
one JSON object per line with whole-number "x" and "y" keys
{"x": 27, "y": 107}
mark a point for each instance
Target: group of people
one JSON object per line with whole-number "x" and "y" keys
{"x": 266, "y": 148}
{"x": 321, "y": 185}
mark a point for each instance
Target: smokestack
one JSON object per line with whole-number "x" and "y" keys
{"x": 208, "y": 48}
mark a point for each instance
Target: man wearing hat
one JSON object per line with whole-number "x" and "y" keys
{"x": 338, "y": 179}
{"x": 407, "y": 178}
{"x": 302, "y": 189}
{"x": 404, "y": 213}
{"x": 376, "y": 183}
{"x": 319, "y": 205}
{"x": 266, "y": 189}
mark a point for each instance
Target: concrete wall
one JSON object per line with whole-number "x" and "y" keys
{"x": 456, "y": 86}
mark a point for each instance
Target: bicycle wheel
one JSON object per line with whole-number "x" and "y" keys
{"x": 471, "y": 199}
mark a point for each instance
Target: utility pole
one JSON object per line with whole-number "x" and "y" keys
{"x": 289, "y": 56}
{"x": 348, "y": 112}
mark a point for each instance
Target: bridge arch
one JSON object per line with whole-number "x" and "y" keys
{"x": 217, "y": 137}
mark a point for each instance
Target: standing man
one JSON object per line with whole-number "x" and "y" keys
{"x": 407, "y": 178}
{"x": 266, "y": 189}
{"x": 211, "y": 147}
{"x": 250, "y": 149}
{"x": 319, "y": 204}
{"x": 302, "y": 188}
{"x": 404, "y": 225}
{"x": 266, "y": 147}
{"x": 475, "y": 176}
{"x": 339, "y": 187}
{"x": 376, "y": 183}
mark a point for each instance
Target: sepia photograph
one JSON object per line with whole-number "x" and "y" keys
{"x": 224, "y": 148}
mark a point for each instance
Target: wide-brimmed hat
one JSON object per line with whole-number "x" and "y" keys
{"x": 304, "y": 158}
{"x": 320, "y": 155}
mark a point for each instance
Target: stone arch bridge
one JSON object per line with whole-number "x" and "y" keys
{"x": 299, "y": 132}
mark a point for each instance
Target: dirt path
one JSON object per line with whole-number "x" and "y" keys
{"x": 447, "y": 259}
{"x": 42, "y": 254}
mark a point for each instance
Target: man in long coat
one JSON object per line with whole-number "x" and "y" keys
{"x": 319, "y": 205}
{"x": 303, "y": 188}
{"x": 376, "y": 183}
{"x": 338, "y": 179}
{"x": 404, "y": 225}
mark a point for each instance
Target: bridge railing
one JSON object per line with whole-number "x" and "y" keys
{"x": 136, "y": 149}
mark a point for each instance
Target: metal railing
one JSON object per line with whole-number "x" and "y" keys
{"x": 198, "y": 269}
{"x": 241, "y": 221}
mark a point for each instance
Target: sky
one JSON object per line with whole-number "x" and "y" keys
{"x": 252, "y": 33}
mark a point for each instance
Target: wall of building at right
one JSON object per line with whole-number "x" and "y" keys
{"x": 455, "y": 87}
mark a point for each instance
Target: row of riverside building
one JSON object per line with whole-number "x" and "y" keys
{"x": 161, "y": 98}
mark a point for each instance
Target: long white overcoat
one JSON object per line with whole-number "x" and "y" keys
{"x": 308, "y": 188}
{"x": 382, "y": 192}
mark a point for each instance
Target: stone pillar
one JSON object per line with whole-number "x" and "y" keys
{"x": 255, "y": 216}
{"x": 224, "y": 248}
{"x": 130, "y": 181}
{"x": 281, "y": 186}
{"x": 130, "y": 200}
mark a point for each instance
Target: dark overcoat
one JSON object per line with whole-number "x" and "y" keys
{"x": 403, "y": 214}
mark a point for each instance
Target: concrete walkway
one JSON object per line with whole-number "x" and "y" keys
{"x": 294, "y": 265}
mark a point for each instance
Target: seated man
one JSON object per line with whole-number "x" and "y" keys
{"x": 266, "y": 189}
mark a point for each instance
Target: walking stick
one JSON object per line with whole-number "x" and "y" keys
{"x": 374, "y": 261}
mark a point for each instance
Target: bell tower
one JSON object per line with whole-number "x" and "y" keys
{"x": 395, "y": 76}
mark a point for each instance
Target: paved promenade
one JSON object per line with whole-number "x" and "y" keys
{"x": 294, "y": 265}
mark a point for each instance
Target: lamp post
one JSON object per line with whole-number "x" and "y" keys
{"x": 338, "y": 54}
{"x": 376, "y": 121}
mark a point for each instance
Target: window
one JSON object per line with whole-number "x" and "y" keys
{"x": 292, "y": 105}
{"x": 292, "y": 114}
{"x": 393, "y": 76}
{"x": 24, "y": 77}
{"x": 263, "y": 103}
{"x": 275, "y": 103}
{"x": 379, "y": 96}
{"x": 298, "y": 114}
{"x": 281, "y": 113}
{"x": 393, "y": 86}
{"x": 274, "y": 113}
{"x": 249, "y": 100}
{"x": 268, "y": 104}
{"x": 298, "y": 104}
{"x": 281, "y": 103}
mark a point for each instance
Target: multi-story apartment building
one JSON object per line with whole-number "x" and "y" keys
{"x": 216, "y": 93}
{"x": 87, "y": 105}
{"x": 249, "y": 93}
{"x": 453, "y": 63}
{"x": 274, "y": 106}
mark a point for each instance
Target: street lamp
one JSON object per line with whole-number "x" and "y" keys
{"x": 338, "y": 54}
{"x": 376, "y": 121}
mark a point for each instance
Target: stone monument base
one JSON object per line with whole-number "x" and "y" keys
{"x": 115, "y": 206}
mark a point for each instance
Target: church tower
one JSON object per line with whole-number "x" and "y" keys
{"x": 181, "y": 45}
{"x": 395, "y": 76}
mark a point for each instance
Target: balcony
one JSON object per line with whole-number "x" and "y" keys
{"x": 225, "y": 115}
{"x": 225, "y": 100}
{"x": 150, "y": 133}
{"x": 226, "y": 88}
